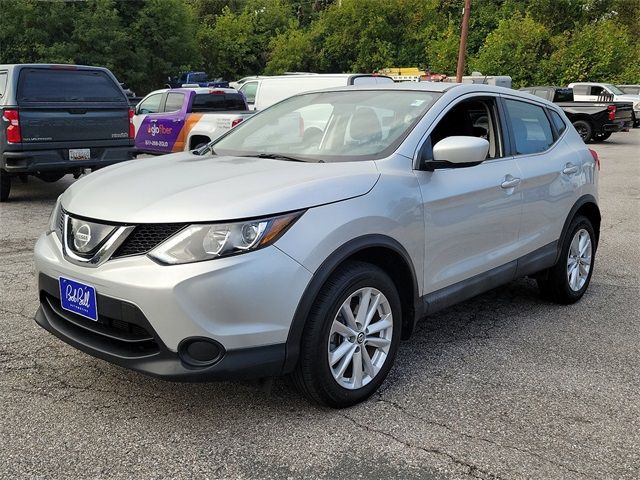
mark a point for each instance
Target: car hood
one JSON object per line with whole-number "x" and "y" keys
{"x": 627, "y": 98}
{"x": 184, "y": 187}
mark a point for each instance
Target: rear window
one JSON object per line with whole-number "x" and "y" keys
{"x": 3, "y": 83}
{"x": 59, "y": 85}
{"x": 216, "y": 102}
{"x": 563, "y": 95}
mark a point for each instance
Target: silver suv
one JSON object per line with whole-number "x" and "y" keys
{"x": 310, "y": 239}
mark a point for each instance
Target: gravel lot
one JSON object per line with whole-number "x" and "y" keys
{"x": 502, "y": 386}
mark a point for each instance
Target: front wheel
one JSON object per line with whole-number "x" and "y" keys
{"x": 351, "y": 337}
{"x": 569, "y": 278}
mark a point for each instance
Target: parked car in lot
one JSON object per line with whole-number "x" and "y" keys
{"x": 630, "y": 89}
{"x": 265, "y": 91}
{"x": 593, "y": 92}
{"x": 269, "y": 253}
{"x": 59, "y": 119}
{"x": 593, "y": 120}
{"x": 173, "y": 120}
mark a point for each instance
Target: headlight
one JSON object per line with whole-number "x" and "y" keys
{"x": 55, "y": 220}
{"x": 199, "y": 242}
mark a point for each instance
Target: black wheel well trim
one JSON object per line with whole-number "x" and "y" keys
{"x": 580, "y": 203}
{"x": 341, "y": 255}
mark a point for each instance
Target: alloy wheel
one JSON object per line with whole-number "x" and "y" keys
{"x": 360, "y": 338}
{"x": 579, "y": 260}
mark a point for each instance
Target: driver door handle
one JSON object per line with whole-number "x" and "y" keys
{"x": 510, "y": 182}
{"x": 570, "y": 168}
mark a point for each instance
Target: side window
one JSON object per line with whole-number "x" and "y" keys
{"x": 3, "y": 83}
{"x": 174, "y": 102}
{"x": 475, "y": 118}
{"x": 531, "y": 128}
{"x": 596, "y": 91}
{"x": 581, "y": 90}
{"x": 150, "y": 104}
{"x": 558, "y": 122}
{"x": 249, "y": 89}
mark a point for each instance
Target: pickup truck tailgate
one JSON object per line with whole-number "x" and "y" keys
{"x": 73, "y": 124}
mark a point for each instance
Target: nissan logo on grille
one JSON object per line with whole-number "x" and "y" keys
{"x": 82, "y": 237}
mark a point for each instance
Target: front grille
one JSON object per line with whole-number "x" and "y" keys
{"x": 145, "y": 238}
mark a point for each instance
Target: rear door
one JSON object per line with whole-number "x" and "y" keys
{"x": 71, "y": 105}
{"x": 551, "y": 170}
{"x": 163, "y": 120}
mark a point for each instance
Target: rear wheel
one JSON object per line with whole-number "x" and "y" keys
{"x": 569, "y": 278}
{"x": 351, "y": 337}
{"x": 584, "y": 129}
{"x": 5, "y": 186}
{"x": 601, "y": 137}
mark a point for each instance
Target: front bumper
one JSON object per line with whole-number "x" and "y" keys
{"x": 57, "y": 159}
{"x": 226, "y": 300}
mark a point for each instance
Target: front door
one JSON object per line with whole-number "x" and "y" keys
{"x": 472, "y": 214}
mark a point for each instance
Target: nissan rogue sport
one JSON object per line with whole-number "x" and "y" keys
{"x": 310, "y": 239}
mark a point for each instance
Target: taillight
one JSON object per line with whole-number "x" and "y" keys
{"x": 596, "y": 158}
{"x": 13, "y": 130}
{"x": 132, "y": 128}
{"x": 235, "y": 122}
{"x": 612, "y": 112}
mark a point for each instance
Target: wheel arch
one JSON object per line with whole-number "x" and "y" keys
{"x": 197, "y": 139}
{"x": 587, "y": 206}
{"x": 379, "y": 250}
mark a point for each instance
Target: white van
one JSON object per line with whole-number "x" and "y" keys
{"x": 265, "y": 91}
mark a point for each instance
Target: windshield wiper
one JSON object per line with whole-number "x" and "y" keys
{"x": 274, "y": 156}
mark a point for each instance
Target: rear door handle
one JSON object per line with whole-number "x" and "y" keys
{"x": 570, "y": 169}
{"x": 510, "y": 182}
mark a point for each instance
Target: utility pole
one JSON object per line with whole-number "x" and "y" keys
{"x": 464, "y": 33}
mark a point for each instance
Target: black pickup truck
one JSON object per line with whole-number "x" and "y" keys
{"x": 59, "y": 119}
{"x": 594, "y": 121}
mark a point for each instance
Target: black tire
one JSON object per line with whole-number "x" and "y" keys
{"x": 584, "y": 129}
{"x": 601, "y": 137}
{"x": 5, "y": 186}
{"x": 313, "y": 376}
{"x": 554, "y": 283}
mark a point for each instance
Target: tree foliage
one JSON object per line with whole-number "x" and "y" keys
{"x": 145, "y": 41}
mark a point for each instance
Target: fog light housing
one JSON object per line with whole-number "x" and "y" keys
{"x": 200, "y": 351}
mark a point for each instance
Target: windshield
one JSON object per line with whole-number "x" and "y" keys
{"x": 330, "y": 126}
{"x": 615, "y": 90}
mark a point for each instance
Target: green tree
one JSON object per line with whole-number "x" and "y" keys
{"x": 604, "y": 52}
{"x": 163, "y": 36}
{"x": 515, "y": 48}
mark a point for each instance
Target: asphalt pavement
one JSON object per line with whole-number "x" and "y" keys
{"x": 505, "y": 385}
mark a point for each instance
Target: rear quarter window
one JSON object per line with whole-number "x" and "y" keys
{"x": 558, "y": 122}
{"x": 62, "y": 85}
{"x": 218, "y": 102}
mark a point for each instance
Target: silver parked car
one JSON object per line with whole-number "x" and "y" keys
{"x": 311, "y": 238}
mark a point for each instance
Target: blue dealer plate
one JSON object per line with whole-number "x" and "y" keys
{"x": 78, "y": 298}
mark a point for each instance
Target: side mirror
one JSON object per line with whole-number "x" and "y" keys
{"x": 458, "y": 152}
